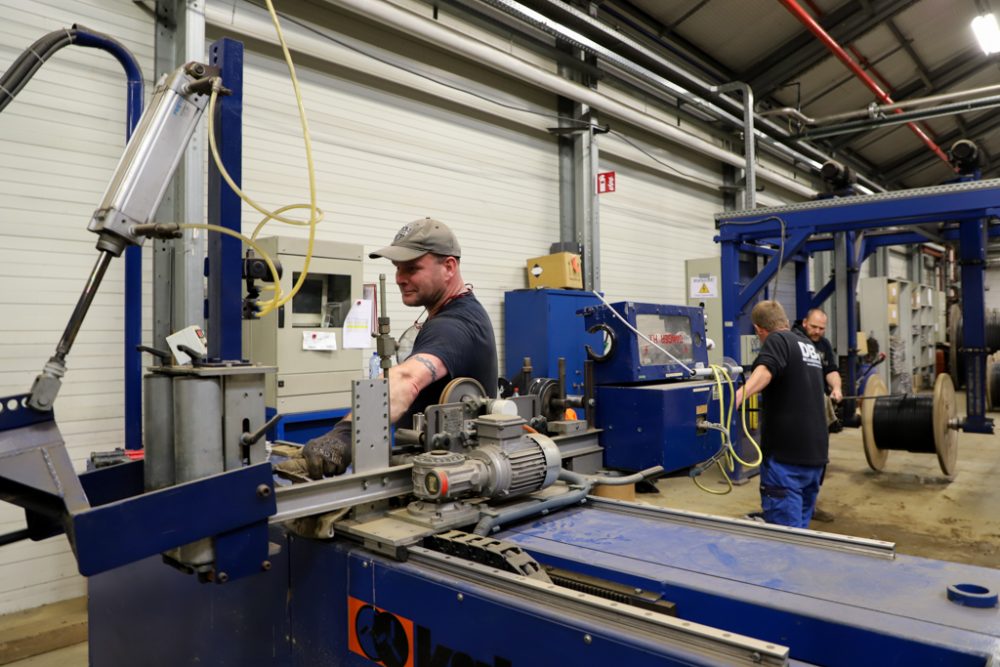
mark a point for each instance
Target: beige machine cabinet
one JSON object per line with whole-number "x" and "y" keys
{"x": 309, "y": 379}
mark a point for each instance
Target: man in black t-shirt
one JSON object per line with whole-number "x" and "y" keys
{"x": 788, "y": 372}
{"x": 813, "y": 327}
{"x": 456, "y": 340}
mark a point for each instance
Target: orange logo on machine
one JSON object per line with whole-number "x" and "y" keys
{"x": 378, "y": 635}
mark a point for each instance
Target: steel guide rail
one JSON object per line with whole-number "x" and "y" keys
{"x": 798, "y": 536}
{"x": 718, "y": 645}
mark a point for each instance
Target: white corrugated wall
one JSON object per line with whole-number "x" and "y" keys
{"x": 649, "y": 226}
{"x": 59, "y": 141}
{"x": 389, "y": 145}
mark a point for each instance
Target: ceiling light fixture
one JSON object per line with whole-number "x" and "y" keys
{"x": 987, "y": 32}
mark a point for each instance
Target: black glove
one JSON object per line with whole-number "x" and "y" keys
{"x": 329, "y": 454}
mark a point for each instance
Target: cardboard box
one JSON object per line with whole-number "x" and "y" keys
{"x": 892, "y": 292}
{"x": 561, "y": 269}
{"x": 862, "y": 343}
{"x": 893, "y": 314}
{"x": 625, "y": 492}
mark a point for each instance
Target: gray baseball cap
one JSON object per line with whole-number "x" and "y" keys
{"x": 419, "y": 238}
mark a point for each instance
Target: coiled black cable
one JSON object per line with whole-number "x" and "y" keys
{"x": 904, "y": 423}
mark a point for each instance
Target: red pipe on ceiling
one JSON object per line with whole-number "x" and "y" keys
{"x": 836, "y": 49}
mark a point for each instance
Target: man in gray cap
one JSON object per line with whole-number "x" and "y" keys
{"x": 456, "y": 339}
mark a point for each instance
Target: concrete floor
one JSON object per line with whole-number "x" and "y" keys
{"x": 911, "y": 503}
{"x": 71, "y": 656}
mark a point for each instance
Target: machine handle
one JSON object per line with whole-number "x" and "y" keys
{"x": 251, "y": 438}
{"x": 163, "y": 355}
{"x": 612, "y": 341}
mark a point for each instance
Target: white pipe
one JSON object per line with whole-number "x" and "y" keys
{"x": 416, "y": 26}
{"x": 249, "y": 20}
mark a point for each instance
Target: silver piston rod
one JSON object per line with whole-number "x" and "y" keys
{"x": 46, "y": 385}
{"x": 137, "y": 185}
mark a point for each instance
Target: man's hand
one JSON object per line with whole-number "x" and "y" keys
{"x": 329, "y": 454}
{"x": 836, "y": 395}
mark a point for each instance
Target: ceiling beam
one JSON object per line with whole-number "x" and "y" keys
{"x": 961, "y": 66}
{"x": 666, "y": 36}
{"x": 803, "y": 51}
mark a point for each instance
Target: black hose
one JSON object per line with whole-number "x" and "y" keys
{"x": 18, "y": 74}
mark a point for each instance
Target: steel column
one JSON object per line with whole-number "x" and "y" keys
{"x": 732, "y": 310}
{"x": 224, "y": 319}
{"x": 179, "y": 264}
{"x": 803, "y": 295}
{"x": 972, "y": 258}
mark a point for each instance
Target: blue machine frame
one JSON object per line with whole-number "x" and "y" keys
{"x": 831, "y": 600}
{"x": 106, "y": 515}
{"x": 963, "y": 212}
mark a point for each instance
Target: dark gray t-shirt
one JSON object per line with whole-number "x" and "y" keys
{"x": 461, "y": 336}
{"x": 793, "y": 425}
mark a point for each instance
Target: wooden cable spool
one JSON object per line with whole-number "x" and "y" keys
{"x": 993, "y": 382}
{"x": 956, "y": 365}
{"x": 956, "y": 360}
{"x": 927, "y": 428}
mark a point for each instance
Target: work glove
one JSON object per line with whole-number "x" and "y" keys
{"x": 329, "y": 454}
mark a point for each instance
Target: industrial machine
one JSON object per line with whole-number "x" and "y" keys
{"x": 652, "y": 398}
{"x": 473, "y": 539}
{"x": 304, "y": 339}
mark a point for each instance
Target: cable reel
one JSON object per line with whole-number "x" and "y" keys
{"x": 914, "y": 423}
{"x": 993, "y": 382}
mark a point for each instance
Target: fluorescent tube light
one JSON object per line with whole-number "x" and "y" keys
{"x": 987, "y": 32}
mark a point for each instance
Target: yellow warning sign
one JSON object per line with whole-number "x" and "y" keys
{"x": 704, "y": 287}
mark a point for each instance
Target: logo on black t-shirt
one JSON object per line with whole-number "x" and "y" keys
{"x": 810, "y": 355}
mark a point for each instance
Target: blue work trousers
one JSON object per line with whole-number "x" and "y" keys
{"x": 788, "y": 492}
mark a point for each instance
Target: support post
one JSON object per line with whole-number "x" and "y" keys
{"x": 224, "y": 319}
{"x": 972, "y": 259}
{"x": 179, "y": 264}
{"x": 731, "y": 308}
{"x": 803, "y": 295}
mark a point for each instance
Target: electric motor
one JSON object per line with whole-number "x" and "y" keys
{"x": 508, "y": 462}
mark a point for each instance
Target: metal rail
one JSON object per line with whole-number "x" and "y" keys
{"x": 719, "y": 646}
{"x": 797, "y": 536}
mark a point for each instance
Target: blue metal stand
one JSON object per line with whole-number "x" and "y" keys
{"x": 133, "y": 254}
{"x": 812, "y": 227}
{"x": 224, "y": 310}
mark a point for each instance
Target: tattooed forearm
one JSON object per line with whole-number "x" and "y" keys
{"x": 430, "y": 366}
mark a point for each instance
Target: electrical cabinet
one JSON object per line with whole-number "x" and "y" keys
{"x": 304, "y": 338}
{"x": 704, "y": 290}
